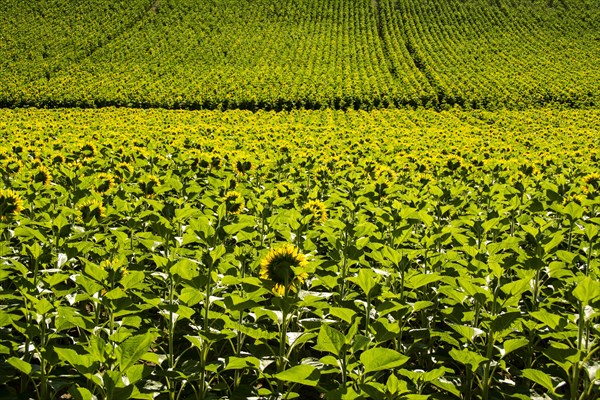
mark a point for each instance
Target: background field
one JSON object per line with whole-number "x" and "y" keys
{"x": 429, "y": 168}
{"x": 307, "y": 53}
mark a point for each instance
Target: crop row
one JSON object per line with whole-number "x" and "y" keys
{"x": 390, "y": 254}
{"x": 300, "y": 54}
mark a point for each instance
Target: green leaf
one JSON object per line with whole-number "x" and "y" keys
{"x": 539, "y": 377}
{"x": 186, "y": 269}
{"x": 21, "y": 365}
{"x": 79, "y": 393}
{"x": 302, "y": 374}
{"x": 345, "y": 314}
{"x": 587, "y": 290}
{"x": 467, "y": 332}
{"x": 330, "y": 340}
{"x": 557, "y": 239}
{"x": 234, "y": 363}
{"x": 419, "y": 280}
{"x": 379, "y": 358}
{"x": 511, "y": 345}
{"x": 547, "y": 318}
{"x": 467, "y": 357}
{"x": 84, "y": 363}
{"x": 367, "y": 280}
{"x": 132, "y": 349}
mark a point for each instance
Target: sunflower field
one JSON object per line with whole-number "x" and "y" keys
{"x": 288, "y": 54}
{"x": 306, "y": 254}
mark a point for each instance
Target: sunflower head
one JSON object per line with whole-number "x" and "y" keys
{"x": 242, "y": 166}
{"x": 321, "y": 173}
{"x": 149, "y": 184}
{"x": 123, "y": 171}
{"x": 104, "y": 183}
{"x": 11, "y": 204}
{"x": 201, "y": 161}
{"x": 11, "y": 165}
{"x": 575, "y": 198}
{"x": 58, "y": 159}
{"x": 89, "y": 210}
{"x": 41, "y": 175}
{"x": 234, "y": 202}
{"x": 591, "y": 183}
{"x": 88, "y": 150}
{"x": 385, "y": 173}
{"x": 216, "y": 161}
{"x": 283, "y": 269}
{"x": 453, "y": 163}
{"x": 317, "y": 210}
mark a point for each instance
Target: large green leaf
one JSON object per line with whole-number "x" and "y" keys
{"x": 330, "y": 340}
{"x": 539, "y": 377}
{"x": 302, "y": 374}
{"x": 132, "y": 349}
{"x": 379, "y": 358}
{"x": 467, "y": 357}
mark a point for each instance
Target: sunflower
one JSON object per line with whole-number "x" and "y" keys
{"x": 234, "y": 202}
{"x": 591, "y": 183}
{"x": 216, "y": 161}
{"x": 58, "y": 159}
{"x": 104, "y": 183}
{"x": 90, "y": 209}
{"x": 321, "y": 173}
{"x": 148, "y": 185}
{"x": 88, "y": 150}
{"x": 123, "y": 171}
{"x": 385, "y": 173}
{"x": 11, "y": 204}
{"x": 242, "y": 166}
{"x": 283, "y": 269}
{"x": 200, "y": 160}
{"x": 575, "y": 198}
{"x": 41, "y": 175}
{"x": 11, "y": 165}
{"x": 317, "y": 209}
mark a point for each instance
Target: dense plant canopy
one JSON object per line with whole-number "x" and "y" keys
{"x": 389, "y": 254}
{"x": 274, "y": 54}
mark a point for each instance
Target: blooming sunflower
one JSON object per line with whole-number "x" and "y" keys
{"x": 90, "y": 209}
{"x": 283, "y": 269}
{"x": 11, "y": 165}
{"x": 591, "y": 183}
{"x": 385, "y": 173}
{"x": 234, "y": 202}
{"x": 242, "y": 166}
{"x": 317, "y": 209}
{"x": 41, "y": 175}
{"x": 104, "y": 183}
{"x": 148, "y": 185}
{"x": 58, "y": 158}
{"x": 88, "y": 150}
{"x": 11, "y": 204}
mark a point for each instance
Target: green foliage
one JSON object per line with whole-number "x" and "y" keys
{"x": 288, "y": 54}
{"x": 457, "y": 258}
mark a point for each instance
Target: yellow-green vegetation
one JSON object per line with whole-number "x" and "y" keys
{"x": 388, "y": 254}
{"x": 286, "y": 54}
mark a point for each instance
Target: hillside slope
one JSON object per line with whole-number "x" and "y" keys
{"x": 287, "y": 54}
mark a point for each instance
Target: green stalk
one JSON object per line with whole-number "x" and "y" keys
{"x": 282, "y": 338}
{"x": 486, "y": 370}
{"x": 575, "y": 371}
